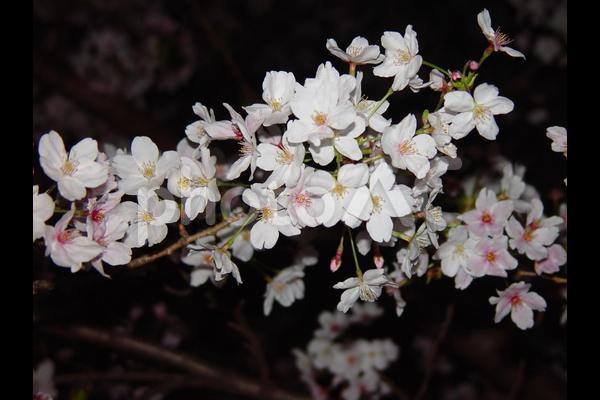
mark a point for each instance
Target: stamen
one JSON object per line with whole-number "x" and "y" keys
{"x": 147, "y": 169}
{"x": 68, "y": 168}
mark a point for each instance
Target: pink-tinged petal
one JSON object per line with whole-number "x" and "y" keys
{"x": 500, "y": 105}
{"x": 462, "y": 125}
{"x": 220, "y": 130}
{"x": 380, "y": 227}
{"x": 91, "y": 174}
{"x": 156, "y": 234}
{"x": 458, "y": 101}
{"x": 347, "y": 283}
{"x": 417, "y": 164}
{"x": 71, "y": 188}
{"x": 485, "y": 93}
{"x": 353, "y": 175}
{"x": 334, "y": 49}
{"x": 85, "y": 150}
{"x": 425, "y": 145}
{"x": 263, "y": 235}
{"x": 545, "y": 236}
{"x": 116, "y": 253}
{"x": 522, "y": 316}
{"x": 144, "y": 150}
{"x": 239, "y": 166}
{"x": 514, "y": 229}
{"x": 503, "y": 307}
{"x": 347, "y": 299}
{"x": 534, "y": 300}
{"x": 512, "y": 52}
{"x": 348, "y": 147}
{"x": 487, "y": 127}
{"x": 486, "y": 199}
{"x": 485, "y": 23}
{"x": 502, "y": 210}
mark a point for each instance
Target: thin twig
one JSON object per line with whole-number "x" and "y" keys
{"x": 215, "y": 377}
{"x": 555, "y": 279}
{"x": 436, "y": 347}
{"x": 184, "y": 241}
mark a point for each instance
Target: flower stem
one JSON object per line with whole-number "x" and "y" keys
{"x": 436, "y": 67}
{"x": 402, "y": 236}
{"x": 380, "y": 102}
{"x": 358, "y": 270}
{"x": 240, "y": 229}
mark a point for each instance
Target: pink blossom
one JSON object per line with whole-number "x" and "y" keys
{"x": 557, "y": 256}
{"x": 519, "y": 302}
{"x": 489, "y": 216}
{"x": 491, "y": 257}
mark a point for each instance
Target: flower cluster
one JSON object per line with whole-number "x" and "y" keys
{"x": 354, "y": 367}
{"x": 329, "y": 158}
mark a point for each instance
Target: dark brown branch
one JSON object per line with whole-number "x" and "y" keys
{"x": 184, "y": 241}
{"x": 430, "y": 368}
{"x": 215, "y": 377}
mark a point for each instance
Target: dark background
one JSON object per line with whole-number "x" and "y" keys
{"x": 113, "y": 70}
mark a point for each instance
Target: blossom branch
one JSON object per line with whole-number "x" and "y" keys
{"x": 215, "y": 377}
{"x": 184, "y": 241}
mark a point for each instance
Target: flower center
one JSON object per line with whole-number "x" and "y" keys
{"x": 97, "y": 216}
{"x": 278, "y": 287}
{"x": 237, "y": 132}
{"x": 377, "y": 203}
{"x": 366, "y": 294}
{"x": 486, "y": 218}
{"x": 302, "y": 200}
{"x": 66, "y": 235}
{"x": 354, "y": 51}
{"x": 246, "y": 148}
{"x": 500, "y": 39}
{"x": 459, "y": 249}
{"x": 275, "y": 105}
{"x": 68, "y": 168}
{"x": 266, "y": 213}
{"x": 406, "y": 148}
{"x": 183, "y": 183}
{"x": 320, "y": 119}
{"x": 284, "y": 156}
{"x": 528, "y": 235}
{"x": 402, "y": 57}
{"x": 490, "y": 256}
{"x": 146, "y": 217}
{"x": 515, "y": 300}
{"x": 339, "y": 190}
{"x": 481, "y": 112}
{"x": 148, "y": 169}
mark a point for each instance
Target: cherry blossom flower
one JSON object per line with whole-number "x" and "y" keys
{"x": 286, "y": 287}
{"x": 557, "y": 257}
{"x": 304, "y": 201}
{"x": 196, "y": 131}
{"x": 558, "y": 134}
{"x": 438, "y": 82}
{"x": 359, "y": 52}
{"x": 365, "y": 107}
{"x": 67, "y": 247}
{"x": 490, "y": 256}
{"x": 149, "y": 218}
{"x": 43, "y": 209}
{"x": 379, "y": 203}
{"x": 440, "y": 122}
{"x": 284, "y": 159}
{"x": 350, "y": 177}
{"x": 322, "y": 105}
{"x": 519, "y": 302}
{"x": 278, "y": 90}
{"x": 98, "y": 209}
{"x": 401, "y": 58}
{"x": 73, "y": 172}
{"x": 536, "y": 236}
{"x": 332, "y": 324}
{"x": 367, "y": 287}
{"x": 195, "y": 181}
{"x": 344, "y": 141}
{"x": 219, "y": 258}
{"x": 477, "y": 111}
{"x": 456, "y": 251}
{"x": 497, "y": 39}
{"x": 145, "y": 167}
{"x": 271, "y": 220}
{"x": 107, "y": 234}
{"x": 489, "y": 215}
{"x": 242, "y": 130}
{"x": 407, "y": 150}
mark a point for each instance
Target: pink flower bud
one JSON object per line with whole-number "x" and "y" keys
{"x": 456, "y": 75}
{"x": 473, "y": 65}
{"x": 336, "y": 262}
{"x": 377, "y": 257}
